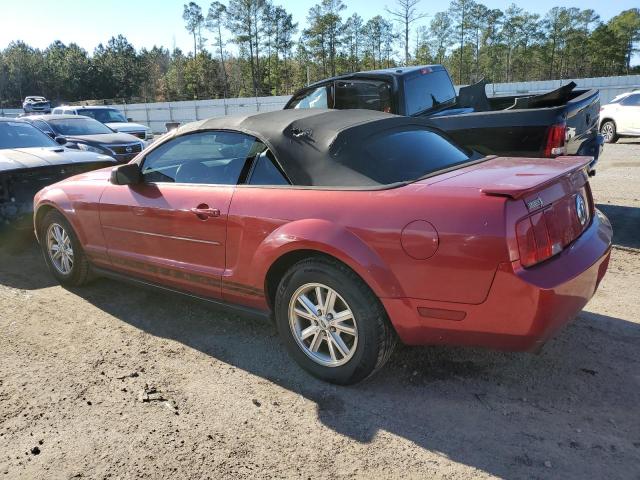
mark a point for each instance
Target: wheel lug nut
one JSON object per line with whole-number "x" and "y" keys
{"x": 332, "y": 329}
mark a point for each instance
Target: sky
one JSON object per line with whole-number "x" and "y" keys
{"x": 146, "y": 23}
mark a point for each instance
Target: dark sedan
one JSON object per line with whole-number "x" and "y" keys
{"x": 87, "y": 134}
{"x": 29, "y": 161}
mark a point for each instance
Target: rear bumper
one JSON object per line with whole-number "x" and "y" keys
{"x": 592, "y": 148}
{"x": 524, "y": 308}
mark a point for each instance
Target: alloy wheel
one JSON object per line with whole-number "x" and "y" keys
{"x": 60, "y": 249}
{"x": 323, "y": 324}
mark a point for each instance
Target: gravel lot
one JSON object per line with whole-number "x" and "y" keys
{"x": 112, "y": 381}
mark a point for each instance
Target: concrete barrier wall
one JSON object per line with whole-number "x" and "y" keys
{"x": 156, "y": 115}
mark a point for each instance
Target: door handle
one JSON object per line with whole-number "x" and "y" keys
{"x": 203, "y": 212}
{"x": 139, "y": 211}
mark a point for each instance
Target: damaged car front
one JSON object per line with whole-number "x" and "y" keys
{"x": 30, "y": 161}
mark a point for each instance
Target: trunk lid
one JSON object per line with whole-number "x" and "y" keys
{"x": 514, "y": 177}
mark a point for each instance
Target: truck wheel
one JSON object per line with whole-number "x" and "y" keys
{"x": 62, "y": 251}
{"x": 608, "y": 131}
{"x": 331, "y": 322}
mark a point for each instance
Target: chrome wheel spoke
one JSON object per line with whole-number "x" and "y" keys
{"x": 320, "y": 303}
{"x": 305, "y": 314}
{"x": 308, "y": 304}
{"x": 330, "y": 301}
{"x": 332, "y": 350}
{"x": 307, "y": 332}
{"x": 315, "y": 343}
{"x": 342, "y": 317}
{"x": 341, "y": 327}
{"x": 338, "y": 342}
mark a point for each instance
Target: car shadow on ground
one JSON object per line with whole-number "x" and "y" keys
{"x": 625, "y": 222}
{"x": 506, "y": 414}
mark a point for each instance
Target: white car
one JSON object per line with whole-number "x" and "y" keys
{"x": 621, "y": 117}
{"x": 111, "y": 117}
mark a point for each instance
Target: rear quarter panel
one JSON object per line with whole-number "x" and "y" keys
{"x": 363, "y": 229}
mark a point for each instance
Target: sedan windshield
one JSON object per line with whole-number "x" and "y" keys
{"x": 104, "y": 115}
{"x": 79, "y": 126}
{"x": 23, "y": 135}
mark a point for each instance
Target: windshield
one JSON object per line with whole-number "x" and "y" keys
{"x": 104, "y": 115}
{"x": 401, "y": 155}
{"x": 23, "y": 135}
{"x": 427, "y": 90}
{"x": 79, "y": 126}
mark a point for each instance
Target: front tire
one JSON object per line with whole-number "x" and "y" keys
{"x": 62, "y": 250}
{"x": 609, "y": 132}
{"x": 331, "y": 322}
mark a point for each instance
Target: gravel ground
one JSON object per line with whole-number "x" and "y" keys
{"x": 111, "y": 381}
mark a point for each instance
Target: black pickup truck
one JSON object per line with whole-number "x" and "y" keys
{"x": 561, "y": 122}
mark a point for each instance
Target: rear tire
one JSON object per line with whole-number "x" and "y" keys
{"x": 62, "y": 250}
{"x": 609, "y": 131}
{"x": 348, "y": 341}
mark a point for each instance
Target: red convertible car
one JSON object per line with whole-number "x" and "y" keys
{"x": 354, "y": 228}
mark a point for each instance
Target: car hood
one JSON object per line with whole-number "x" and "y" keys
{"x": 24, "y": 158}
{"x": 127, "y": 127}
{"x": 104, "y": 138}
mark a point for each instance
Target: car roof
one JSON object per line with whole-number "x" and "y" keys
{"x": 92, "y": 107}
{"x": 383, "y": 74}
{"x": 307, "y": 141}
{"x": 58, "y": 116}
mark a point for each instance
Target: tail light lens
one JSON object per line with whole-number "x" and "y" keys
{"x": 556, "y": 139}
{"x": 547, "y": 232}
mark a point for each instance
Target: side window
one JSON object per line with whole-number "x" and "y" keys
{"x": 43, "y": 126}
{"x": 56, "y": 111}
{"x": 632, "y": 101}
{"x": 216, "y": 158}
{"x": 366, "y": 94}
{"x": 265, "y": 171}
{"x": 320, "y": 97}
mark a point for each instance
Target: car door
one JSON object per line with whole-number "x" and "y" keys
{"x": 171, "y": 227}
{"x": 630, "y": 107}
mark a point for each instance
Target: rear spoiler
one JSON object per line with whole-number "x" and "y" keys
{"x": 519, "y": 182}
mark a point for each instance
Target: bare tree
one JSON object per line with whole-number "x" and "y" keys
{"x": 406, "y": 13}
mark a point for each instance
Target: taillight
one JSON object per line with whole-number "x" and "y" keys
{"x": 556, "y": 138}
{"x": 547, "y": 232}
{"x": 535, "y": 242}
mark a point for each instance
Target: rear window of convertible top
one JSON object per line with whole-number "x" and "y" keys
{"x": 398, "y": 156}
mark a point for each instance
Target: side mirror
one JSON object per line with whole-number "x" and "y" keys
{"x": 60, "y": 140}
{"x": 129, "y": 119}
{"x": 52, "y": 135}
{"x": 127, "y": 174}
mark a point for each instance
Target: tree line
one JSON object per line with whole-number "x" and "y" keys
{"x": 255, "y": 48}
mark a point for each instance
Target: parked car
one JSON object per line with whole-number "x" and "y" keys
{"x": 87, "y": 134}
{"x": 562, "y": 122}
{"x": 352, "y": 227}
{"x": 621, "y": 117}
{"x": 36, "y": 104}
{"x": 111, "y": 117}
{"x": 29, "y": 161}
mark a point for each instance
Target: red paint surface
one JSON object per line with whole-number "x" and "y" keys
{"x": 471, "y": 265}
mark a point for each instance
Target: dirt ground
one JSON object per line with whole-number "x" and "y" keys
{"x": 113, "y": 381}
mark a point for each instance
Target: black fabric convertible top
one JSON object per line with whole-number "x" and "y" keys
{"x": 308, "y": 143}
